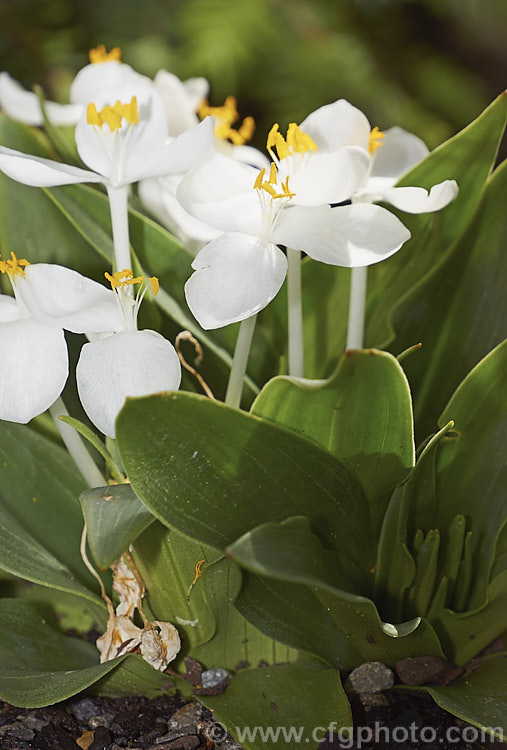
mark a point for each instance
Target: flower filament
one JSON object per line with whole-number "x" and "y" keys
{"x": 375, "y": 140}
{"x": 273, "y": 197}
{"x": 113, "y": 115}
{"x": 225, "y": 116}
{"x": 99, "y": 54}
{"x": 14, "y": 266}
{"x": 121, "y": 283}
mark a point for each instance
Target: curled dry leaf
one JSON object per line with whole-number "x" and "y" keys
{"x": 128, "y": 588}
{"x": 160, "y": 644}
{"x": 121, "y": 636}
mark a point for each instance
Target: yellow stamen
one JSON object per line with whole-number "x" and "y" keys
{"x": 100, "y": 55}
{"x": 295, "y": 142}
{"x": 154, "y": 283}
{"x": 113, "y": 115}
{"x": 271, "y": 185}
{"x": 225, "y": 116}
{"x": 375, "y": 140}
{"x": 14, "y": 266}
{"x": 123, "y": 278}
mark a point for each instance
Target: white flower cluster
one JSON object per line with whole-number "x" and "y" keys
{"x": 239, "y": 210}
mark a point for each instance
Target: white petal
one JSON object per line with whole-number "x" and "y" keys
{"x": 247, "y": 155}
{"x": 63, "y": 297}
{"x": 338, "y": 124}
{"x": 120, "y": 154}
{"x": 90, "y": 79}
{"x": 9, "y": 309}
{"x": 178, "y": 156}
{"x": 24, "y": 105}
{"x": 33, "y": 368}
{"x": 351, "y": 236}
{"x": 197, "y": 90}
{"x": 158, "y": 194}
{"x": 329, "y": 177}
{"x": 236, "y": 276}
{"x": 180, "y": 106}
{"x": 417, "y": 200}
{"x": 39, "y": 172}
{"x": 399, "y": 152}
{"x": 220, "y": 192}
{"x": 130, "y": 363}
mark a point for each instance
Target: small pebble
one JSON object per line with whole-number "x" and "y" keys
{"x": 371, "y": 677}
{"x": 17, "y": 731}
{"x": 213, "y": 677}
{"x": 101, "y": 720}
{"x": 84, "y": 709}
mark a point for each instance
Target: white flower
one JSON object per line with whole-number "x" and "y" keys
{"x": 159, "y": 194}
{"x": 240, "y": 272}
{"x": 34, "y": 361}
{"x": 391, "y": 154}
{"x": 105, "y": 69}
{"x": 126, "y": 363}
{"x": 122, "y": 137}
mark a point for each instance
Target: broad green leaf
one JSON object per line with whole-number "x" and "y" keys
{"x": 132, "y": 676}
{"x": 30, "y": 224}
{"x": 362, "y": 415}
{"x": 304, "y": 701}
{"x": 471, "y": 465}
{"x": 458, "y": 311}
{"x": 201, "y": 607}
{"x": 478, "y": 698}
{"x": 114, "y": 517}
{"x": 214, "y": 472}
{"x": 289, "y": 552}
{"x": 468, "y": 158}
{"x": 291, "y": 613}
{"x": 38, "y": 665}
{"x": 39, "y": 488}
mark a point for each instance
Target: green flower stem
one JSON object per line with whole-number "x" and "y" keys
{"x": 118, "y": 205}
{"x": 239, "y": 362}
{"x": 357, "y": 301}
{"x": 295, "y": 313}
{"x": 76, "y": 447}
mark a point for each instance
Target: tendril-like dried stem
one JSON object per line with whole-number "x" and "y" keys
{"x": 187, "y": 336}
{"x": 94, "y": 573}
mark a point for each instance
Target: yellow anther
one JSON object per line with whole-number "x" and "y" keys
{"x": 296, "y": 142}
{"x": 225, "y": 116}
{"x": 113, "y": 115}
{"x": 154, "y": 283}
{"x": 14, "y": 266}
{"x": 271, "y": 186}
{"x": 123, "y": 278}
{"x": 100, "y": 55}
{"x": 375, "y": 140}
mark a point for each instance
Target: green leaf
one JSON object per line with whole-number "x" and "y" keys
{"x": 362, "y": 415}
{"x": 468, "y": 158}
{"x": 470, "y": 464}
{"x": 41, "y": 521}
{"x": 132, "y": 676}
{"x": 214, "y": 472}
{"x": 38, "y": 665}
{"x": 114, "y": 517}
{"x": 304, "y": 701}
{"x": 459, "y": 310}
{"x": 478, "y": 698}
{"x": 30, "y": 224}
{"x": 202, "y": 609}
{"x": 97, "y": 443}
{"x": 290, "y": 552}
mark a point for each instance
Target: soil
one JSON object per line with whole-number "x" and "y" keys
{"x": 93, "y": 723}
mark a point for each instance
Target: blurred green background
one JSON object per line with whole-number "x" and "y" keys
{"x": 428, "y": 65}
